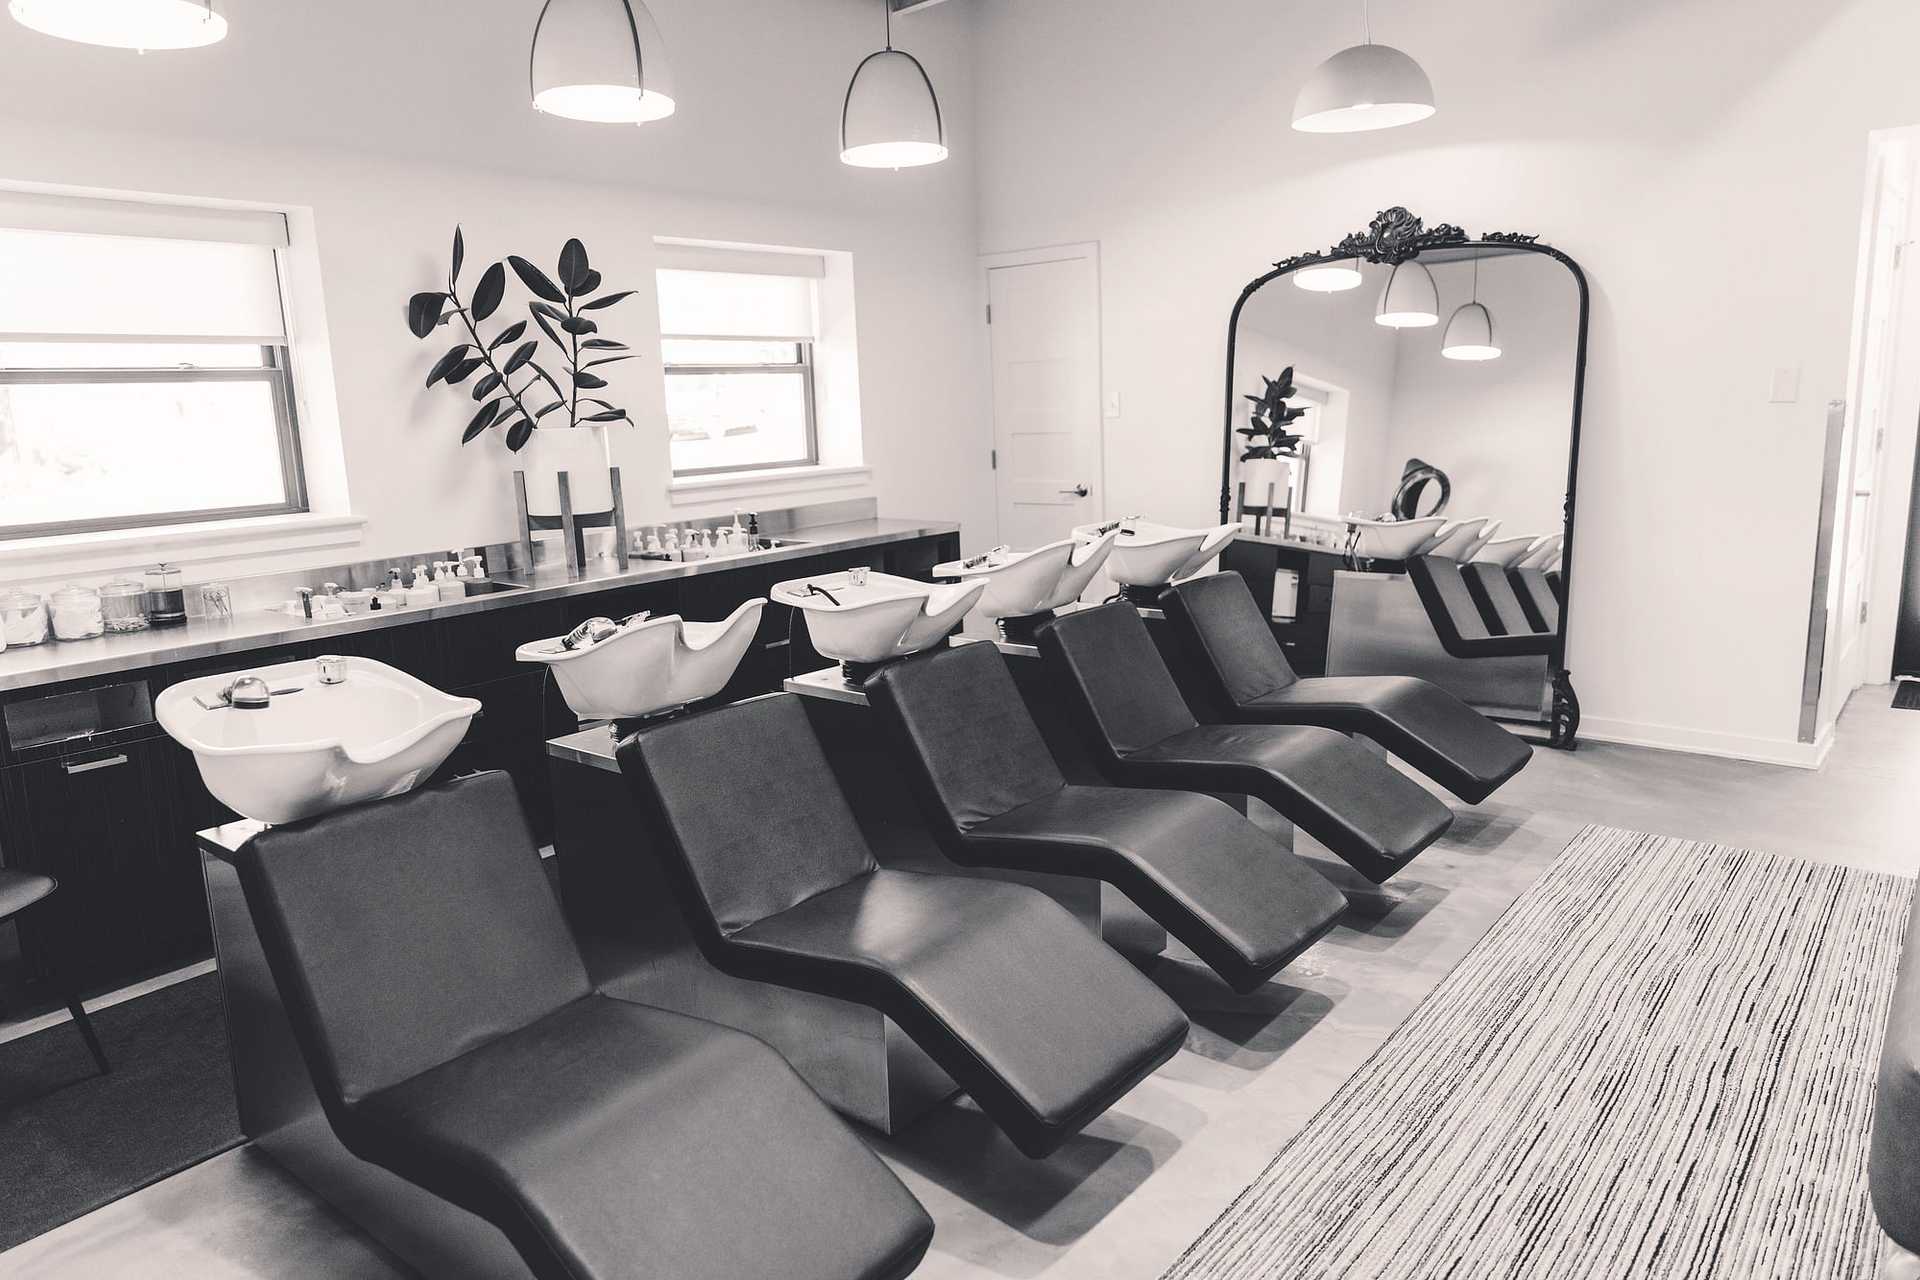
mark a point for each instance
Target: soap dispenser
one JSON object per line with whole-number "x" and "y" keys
{"x": 422, "y": 593}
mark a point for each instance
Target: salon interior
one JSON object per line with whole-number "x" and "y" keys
{"x": 842, "y": 639}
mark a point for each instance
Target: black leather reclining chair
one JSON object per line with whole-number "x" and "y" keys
{"x": 1236, "y": 896}
{"x": 1893, "y": 1160}
{"x": 1499, "y": 604}
{"x": 1538, "y": 599}
{"x": 1031, "y": 1015}
{"x": 1457, "y": 619}
{"x": 454, "y": 1039}
{"x": 1245, "y": 670}
{"x": 1143, "y": 734}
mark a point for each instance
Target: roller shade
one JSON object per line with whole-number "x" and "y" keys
{"x": 747, "y": 262}
{"x": 716, "y": 304}
{"x": 33, "y": 211}
{"x": 60, "y": 285}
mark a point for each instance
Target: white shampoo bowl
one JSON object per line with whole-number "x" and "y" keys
{"x": 1487, "y": 534}
{"x": 1146, "y": 554}
{"x": 1507, "y": 551}
{"x": 886, "y": 617}
{"x": 1543, "y": 554}
{"x": 651, "y": 666}
{"x": 315, "y": 747}
{"x": 1455, "y": 540}
{"x": 1394, "y": 539}
{"x": 1037, "y": 581}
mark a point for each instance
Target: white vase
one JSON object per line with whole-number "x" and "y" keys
{"x": 581, "y": 452}
{"x": 1258, "y": 473}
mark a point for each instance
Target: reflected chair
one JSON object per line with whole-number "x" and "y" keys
{"x": 1537, "y": 597}
{"x": 1499, "y": 605}
{"x": 19, "y": 891}
{"x": 1143, "y": 734}
{"x": 454, "y": 1038}
{"x": 1242, "y": 666}
{"x": 1236, "y": 896}
{"x": 1457, "y": 618}
{"x": 1029, "y": 1012}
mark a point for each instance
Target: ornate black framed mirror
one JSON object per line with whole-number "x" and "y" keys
{"x": 1419, "y": 518}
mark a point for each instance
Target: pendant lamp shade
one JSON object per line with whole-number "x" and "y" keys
{"x": 1370, "y": 86}
{"x": 1332, "y": 278}
{"x": 891, "y": 119}
{"x": 1470, "y": 335}
{"x": 125, "y": 24}
{"x": 1410, "y": 301}
{"x": 600, "y": 60}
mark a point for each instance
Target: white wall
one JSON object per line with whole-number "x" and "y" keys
{"x": 394, "y": 122}
{"x": 1701, "y": 158}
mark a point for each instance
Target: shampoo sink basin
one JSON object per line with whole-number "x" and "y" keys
{"x": 1021, "y": 583}
{"x": 652, "y": 665}
{"x": 1392, "y": 539}
{"x": 314, "y": 747}
{"x": 1146, "y": 554}
{"x": 1456, "y": 540}
{"x": 885, "y": 618}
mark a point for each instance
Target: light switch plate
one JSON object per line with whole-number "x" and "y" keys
{"x": 1785, "y": 387}
{"x": 1113, "y": 404}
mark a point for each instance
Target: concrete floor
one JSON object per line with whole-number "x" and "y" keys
{"x": 1129, "y": 1194}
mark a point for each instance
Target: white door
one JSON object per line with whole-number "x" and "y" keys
{"x": 1043, "y": 312}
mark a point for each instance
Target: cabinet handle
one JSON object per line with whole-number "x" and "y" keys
{"x": 88, "y": 766}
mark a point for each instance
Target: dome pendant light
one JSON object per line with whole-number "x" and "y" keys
{"x": 1470, "y": 332}
{"x": 1333, "y": 278}
{"x": 125, "y": 24}
{"x": 1369, "y": 86}
{"x": 1410, "y": 301}
{"x": 601, "y": 61}
{"x": 891, "y": 118}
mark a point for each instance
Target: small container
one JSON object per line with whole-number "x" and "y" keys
{"x": 123, "y": 604}
{"x": 166, "y": 598}
{"x": 23, "y": 618}
{"x": 332, "y": 668}
{"x": 75, "y": 613}
{"x": 216, "y": 601}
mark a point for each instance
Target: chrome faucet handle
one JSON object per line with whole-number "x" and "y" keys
{"x": 247, "y": 692}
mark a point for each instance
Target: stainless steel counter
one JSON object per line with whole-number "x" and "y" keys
{"x": 58, "y": 661}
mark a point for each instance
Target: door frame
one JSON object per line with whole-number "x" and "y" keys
{"x": 989, "y": 262}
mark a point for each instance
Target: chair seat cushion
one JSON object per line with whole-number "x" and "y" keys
{"x": 1893, "y": 1165}
{"x": 630, "y": 1141}
{"x": 1337, "y": 791}
{"x": 1415, "y": 719}
{"x": 1232, "y": 892}
{"x": 21, "y": 889}
{"x": 1028, "y": 1011}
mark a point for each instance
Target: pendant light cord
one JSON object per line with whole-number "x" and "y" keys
{"x": 1366, "y": 18}
{"x": 887, "y": 6}
{"x": 1476, "y": 277}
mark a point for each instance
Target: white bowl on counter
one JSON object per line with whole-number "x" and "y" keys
{"x": 880, "y": 618}
{"x": 651, "y": 665}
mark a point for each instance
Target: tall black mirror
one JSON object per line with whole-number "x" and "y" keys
{"x": 1401, "y": 445}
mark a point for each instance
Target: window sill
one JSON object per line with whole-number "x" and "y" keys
{"x": 699, "y": 489}
{"x": 80, "y": 554}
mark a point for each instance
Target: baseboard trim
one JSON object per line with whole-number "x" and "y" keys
{"x": 28, "y": 1026}
{"x": 1701, "y": 742}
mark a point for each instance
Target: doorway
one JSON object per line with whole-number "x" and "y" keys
{"x": 1043, "y": 318}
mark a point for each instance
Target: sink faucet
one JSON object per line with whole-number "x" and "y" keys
{"x": 244, "y": 693}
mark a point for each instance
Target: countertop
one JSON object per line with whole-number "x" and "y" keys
{"x": 57, "y": 661}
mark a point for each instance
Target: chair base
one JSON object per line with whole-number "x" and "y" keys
{"x": 281, "y": 1116}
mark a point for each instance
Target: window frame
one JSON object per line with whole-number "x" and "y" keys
{"x": 803, "y": 367}
{"x": 275, "y": 370}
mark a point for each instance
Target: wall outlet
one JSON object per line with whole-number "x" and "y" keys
{"x": 1785, "y": 386}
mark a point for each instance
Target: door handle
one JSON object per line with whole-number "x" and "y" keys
{"x": 1078, "y": 491}
{"x": 88, "y": 766}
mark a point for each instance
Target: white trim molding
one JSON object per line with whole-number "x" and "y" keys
{"x": 212, "y": 542}
{"x": 692, "y": 490}
{"x": 1704, "y": 742}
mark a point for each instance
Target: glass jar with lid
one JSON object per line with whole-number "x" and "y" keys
{"x": 166, "y": 597}
{"x": 123, "y": 605}
{"x": 23, "y": 618}
{"x": 75, "y": 613}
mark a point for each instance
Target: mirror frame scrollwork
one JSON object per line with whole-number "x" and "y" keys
{"x": 1397, "y": 235}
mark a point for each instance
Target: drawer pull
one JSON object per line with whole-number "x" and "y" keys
{"x": 88, "y": 766}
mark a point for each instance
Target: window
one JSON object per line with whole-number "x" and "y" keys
{"x": 737, "y": 350}
{"x": 144, "y": 378}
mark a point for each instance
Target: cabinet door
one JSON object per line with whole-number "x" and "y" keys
{"x": 510, "y": 733}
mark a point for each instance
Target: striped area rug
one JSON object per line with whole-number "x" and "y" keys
{"x": 1659, "y": 1063}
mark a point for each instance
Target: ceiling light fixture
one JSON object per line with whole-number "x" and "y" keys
{"x": 602, "y": 61}
{"x": 1470, "y": 332}
{"x": 125, "y": 24}
{"x": 891, "y": 117}
{"x": 1369, "y": 86}
{"x": 1328, "y": 279}
{"x": 1411, "y": 300}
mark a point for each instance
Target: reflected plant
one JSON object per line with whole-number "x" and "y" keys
{"x": 557, "y": 309}
{"x": 1268, "y": 437}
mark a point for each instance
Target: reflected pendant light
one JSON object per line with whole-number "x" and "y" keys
{"x": 1410, "y": 301}
{"x": 600, "y": 60}
{"x": 1470, "y": 332}
{"x": 891, "y": 118}
{"x": 125, "y": 24}
{"x": 1331, "y": 278}
{"x": 1369, "y": 86}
